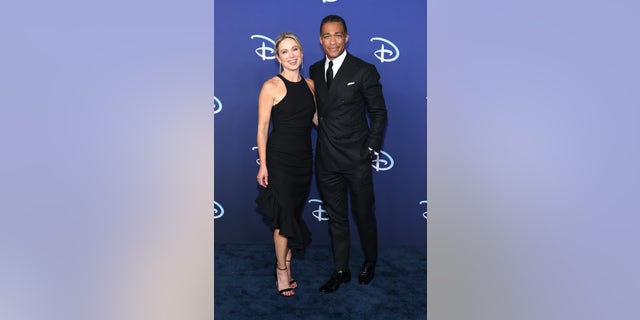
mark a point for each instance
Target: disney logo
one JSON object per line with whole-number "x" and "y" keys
{"x": 424, "y": 214}
{"x": 383, "y": 163}
{"x": 384, "y": 52}
{"x": 320, "y": 213}
{"x": 257, "y": 160}
{"x": 218, "y": 210}
{"x": 217, "y": 105}
{"x": 262, "y": 50}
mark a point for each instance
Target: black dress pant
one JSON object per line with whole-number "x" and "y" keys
{"x": 336, "y": 188}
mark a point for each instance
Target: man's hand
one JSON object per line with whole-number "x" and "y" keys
{"x": 372, "y": 154}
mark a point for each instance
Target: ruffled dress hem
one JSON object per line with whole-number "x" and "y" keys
{"x": 291, "y": 226}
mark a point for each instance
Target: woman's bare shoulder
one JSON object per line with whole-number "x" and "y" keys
{"x": 273, "y": 82}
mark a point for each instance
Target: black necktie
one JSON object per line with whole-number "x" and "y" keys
{"x": 329, "y": 74}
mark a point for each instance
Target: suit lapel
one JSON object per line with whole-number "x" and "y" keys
{"x": 329, "y": 95}
{"x": 339, "y": 76}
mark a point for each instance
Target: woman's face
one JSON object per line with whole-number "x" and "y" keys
{"x": 289, "y": 54}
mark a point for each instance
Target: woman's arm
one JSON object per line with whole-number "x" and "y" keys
{"x": 265, "y": 103}
{"x": 312, "y": 86}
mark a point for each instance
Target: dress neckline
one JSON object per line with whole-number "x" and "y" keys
{"x": 287, "y": 80}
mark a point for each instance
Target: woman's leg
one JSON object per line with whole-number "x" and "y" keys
{"x": 282, "y": 272}
{"x": 292, "y": 282}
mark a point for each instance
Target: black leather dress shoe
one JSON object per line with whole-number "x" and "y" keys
{"x": 337, "y": 278}
{"x": 366, "y": 273}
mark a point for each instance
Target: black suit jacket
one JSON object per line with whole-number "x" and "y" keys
{"x": 344, "y": 134}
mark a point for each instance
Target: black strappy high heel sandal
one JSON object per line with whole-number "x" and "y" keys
{"x": 281, "y": 292}
{"x": 293, "y": 283}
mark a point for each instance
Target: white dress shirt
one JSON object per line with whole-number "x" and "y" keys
{"x": 337, "y": 63}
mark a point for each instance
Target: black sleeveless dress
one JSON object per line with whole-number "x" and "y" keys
{"x": 289, "y": 163}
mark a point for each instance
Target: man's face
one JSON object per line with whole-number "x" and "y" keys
{"x": 333, "y": 39}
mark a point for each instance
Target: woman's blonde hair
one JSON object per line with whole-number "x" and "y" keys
{"x": 287, "y": 35}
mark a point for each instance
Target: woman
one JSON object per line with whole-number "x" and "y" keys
{"x": 287, "y": 102}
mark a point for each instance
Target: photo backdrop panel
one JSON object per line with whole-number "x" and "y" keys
{"x": 391, "y": 37}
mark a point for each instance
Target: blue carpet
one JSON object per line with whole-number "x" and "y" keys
{"x": 244, "y": 285}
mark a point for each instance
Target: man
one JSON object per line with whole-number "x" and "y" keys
{"x": 347, "y": 88}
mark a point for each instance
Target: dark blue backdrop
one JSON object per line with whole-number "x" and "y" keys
{"x": 392, "y": 37}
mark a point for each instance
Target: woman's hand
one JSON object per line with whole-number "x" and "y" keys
{"x": 263, "y": 176}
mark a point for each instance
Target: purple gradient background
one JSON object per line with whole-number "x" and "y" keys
{"x": 107, "y": 145}
{"x": 533, "y": 152}
{"x": 107, "y": 152}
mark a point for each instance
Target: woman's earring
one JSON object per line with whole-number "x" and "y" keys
{"x": 281, "y": 68}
